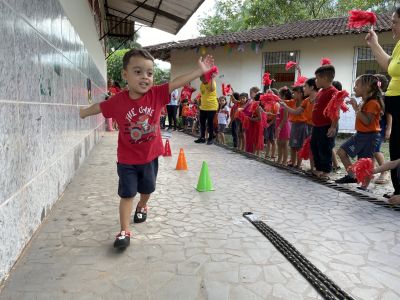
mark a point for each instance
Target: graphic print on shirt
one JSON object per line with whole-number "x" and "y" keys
{"x": 140, "y": 127}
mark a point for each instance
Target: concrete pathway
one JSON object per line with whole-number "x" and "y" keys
{"x": 197, "y": 245}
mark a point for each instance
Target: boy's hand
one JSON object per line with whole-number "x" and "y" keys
{"x": 353, "y": 103}
{"x": 82, "y": 113}
{"x": 331, "y": 132}
{"x": 206, "y": 63}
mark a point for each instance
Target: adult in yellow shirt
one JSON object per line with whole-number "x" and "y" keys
{"x": 391, "y": 64}
{"x": 208, "y": 109}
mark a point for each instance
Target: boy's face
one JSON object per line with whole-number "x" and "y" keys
{"x": 322, "y": 81}
{"x": 242, "y": 99}
{"x": 307, "y": 90}
{"x": 252, "y": 94}
{"x": 139, "y": 74}
{"x": 297, "y": 95}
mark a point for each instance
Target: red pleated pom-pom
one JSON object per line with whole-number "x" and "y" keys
{"x": 337, "y": 102}
{"x": 326, "y": 61}
{"x": 209, "y": 74}
{"x": 266, "y": 79}
{"x": 360, "y": 18}
{"x": 305, "y": 151}
{"x": 253, "y": 106}
{"x": 268, "y": 100}
{"x": 300, "y": 81}
{"x": 363, "y": 169}
{"x": 226, "y": 89}
{"x": 290, "y": 64}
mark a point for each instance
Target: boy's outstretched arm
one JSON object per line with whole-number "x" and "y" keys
{"x": 90, "y": 111}
{"x": 205, "y": 64}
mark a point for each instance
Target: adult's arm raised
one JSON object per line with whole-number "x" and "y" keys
{"x": 381, "y": 56}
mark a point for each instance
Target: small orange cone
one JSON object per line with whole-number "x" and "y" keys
{"x": 181, "y": 164}
{"x": 167, "y": 149}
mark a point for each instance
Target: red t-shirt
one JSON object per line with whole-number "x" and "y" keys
{"x": 139, "y": 138}
{"x": 187, "y": 92}
{"x": 321, "y": 101}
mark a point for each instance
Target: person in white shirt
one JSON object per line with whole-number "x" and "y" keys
{"x": 172, "y": 109}
{"x": 223, "y": 116}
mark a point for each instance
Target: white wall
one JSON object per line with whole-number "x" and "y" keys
{"x": 81, "y": 18}
{"x": 245, "y": 69}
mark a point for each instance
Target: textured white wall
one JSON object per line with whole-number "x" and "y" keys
{"x": 245, "y": 69}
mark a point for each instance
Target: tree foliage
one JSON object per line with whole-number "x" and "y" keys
{"x": 231, "y": 16}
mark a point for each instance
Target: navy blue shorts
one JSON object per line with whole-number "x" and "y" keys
{"x": 361, "y": 145}
{"x": 135, "y": 179}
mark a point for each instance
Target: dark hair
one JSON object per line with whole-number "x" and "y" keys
{"x": 257, "y": 96}
{"x": 326, "y": 71}
{"x": 244, "y": 95}
{"x": 236, "y": 95}
{"x": 285, "y": 93}
{"x": 219, "y": 105}
{"x": 299, "y": 89}
{"x": 337, "y": 85}
{"x": 311, "y": 83}
{"x": 185, "y": 101}
{"x": 375, "y": 91}
{"x": 398, "y": 11}
{"x": 135, "y": 52}
{"x": 116, "y": 83}
{"x": 384, "y": 82}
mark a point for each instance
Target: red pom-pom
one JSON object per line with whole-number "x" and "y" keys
{"x": 359, "y": 18}
{"x": 198, "y": 97}
{"x": 210, "y": 73}
{"x": 266, "y": 79}
{"x": 226, "y": 89}
{"x": 290, "y": 64}
{"x": 363, "y": 169}
{"x": 268, "y": 100}
{"x": 305, "y": 151}
{"x": 332, "y": 109}
{"x": 300, "y": 81}
{"x": 326, "y": 61}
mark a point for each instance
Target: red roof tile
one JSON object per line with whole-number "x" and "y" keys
{"x": 294, "y": 30}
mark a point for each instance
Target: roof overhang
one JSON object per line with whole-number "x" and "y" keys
{"x": 166, "y": 15}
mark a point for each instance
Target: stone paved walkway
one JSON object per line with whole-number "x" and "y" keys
{"x": 197, "y": 245}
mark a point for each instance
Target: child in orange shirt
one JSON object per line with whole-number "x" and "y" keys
{"x": 298, "y": 132}
{"x": 185, "y": 114}
{"x": 368, "y": 113}
{"x": 269, "y": 131}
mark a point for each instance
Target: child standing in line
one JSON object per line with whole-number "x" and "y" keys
{"x": 243, "y": 99}
{"x": 325, "y": 129}
{"x": 185, "y": 114}
{"x": 335, "y": 163}
{"x": 298, "y": 132}
{"x": 386, "y": 128}
{"x": 269, "y": 132}
{"x": 137, "y": 112}
{"x": 363, "y": 143}
{"x": 223, "y": 116}
{"x": 283, "y": 127}
{"x": 233, "y": 123}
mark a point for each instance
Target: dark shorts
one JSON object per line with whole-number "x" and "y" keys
{"x": 135, "y": 179}
{"x": 221, "y": 128}
{"x": 298, "y": 134}
{"x": 361, "y": 145}
{"x": 269, "y": 133}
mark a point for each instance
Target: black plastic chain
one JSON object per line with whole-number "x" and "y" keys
{"x": 323, "y": 285}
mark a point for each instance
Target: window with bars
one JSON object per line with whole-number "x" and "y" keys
{"x": 366, "y": 62}
{"x": 275, "y": 62}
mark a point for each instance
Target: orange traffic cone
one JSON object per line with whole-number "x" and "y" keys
{"x": 167, "y": 149}
{"x": 181, "y": 164}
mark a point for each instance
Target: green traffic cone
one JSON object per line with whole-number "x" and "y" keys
{"x": 204, "y": 184}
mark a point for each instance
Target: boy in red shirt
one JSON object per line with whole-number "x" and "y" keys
{"x": 324, "y": 130}
{"x": 137, "y": 112}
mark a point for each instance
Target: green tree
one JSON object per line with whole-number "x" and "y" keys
{"x": 114, "y": 42}
{"x": 231, "y": 16}
{"x": 114, "y": 69}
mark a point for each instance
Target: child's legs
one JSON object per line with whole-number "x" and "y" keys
{"x": 293, "y": 156}
{"x": 335, "y": 162}
{"x": 223, "y": 138}
{"x": 125, "y": 212}
{"x": 268, "y": 148}
{"x": 321, "y": 147}
{"x": 285, "y": 146}
{"x": 345, "y": 159}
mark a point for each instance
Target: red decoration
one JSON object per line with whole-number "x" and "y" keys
{"x": 244, "y": 119}
{"x": 300, "y": 81}
{"x": 268, "y": 100}
{"x": 210, "y": 73}
{"x": 290, "y": 64}
{"x": 305, "y": 151}
{"x": 266, "y": 79}
{"x": 226, "y": 89}
{"x": 253, "y": 106}
{"x": 363, "y": 169}
{"x": 326, "y": 61}
{"x": 337, "y": 102}
{"x": 359, "y": 18}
